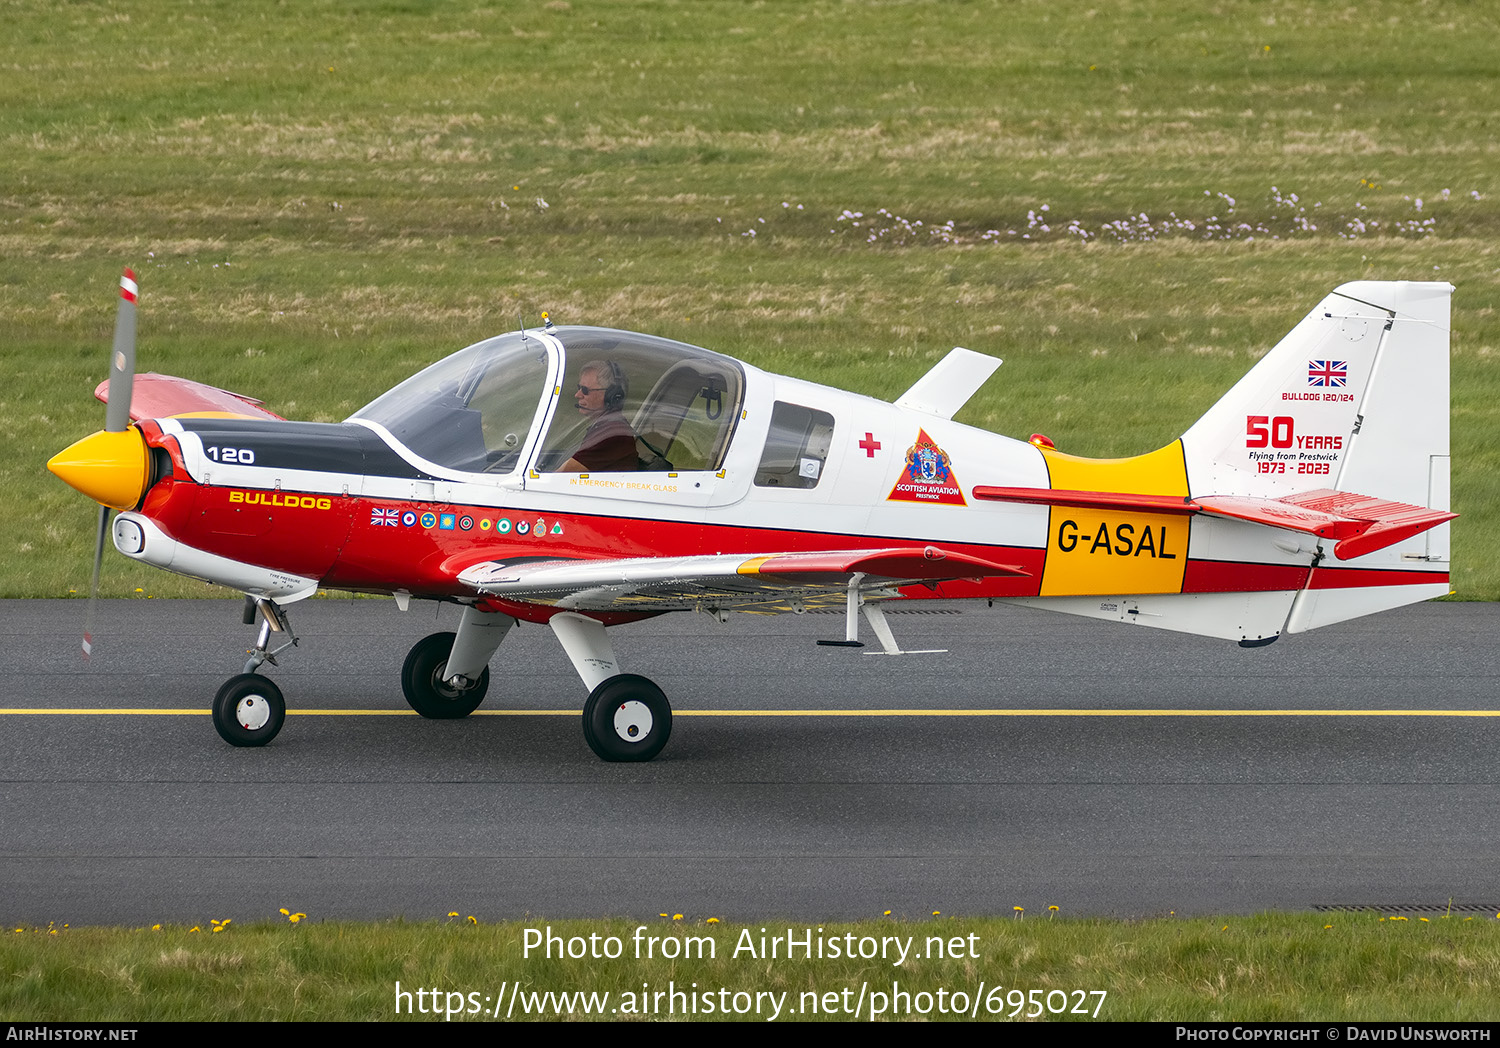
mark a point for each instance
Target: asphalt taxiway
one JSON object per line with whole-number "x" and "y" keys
{"x": 1040, "y": 761}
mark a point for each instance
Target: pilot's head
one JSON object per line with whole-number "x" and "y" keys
{"x": 601, "y": 387}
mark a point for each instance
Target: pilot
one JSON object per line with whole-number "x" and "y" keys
{"x": 609, "y": 444}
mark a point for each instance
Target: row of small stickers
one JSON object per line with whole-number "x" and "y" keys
{"x": 464, "y": 522}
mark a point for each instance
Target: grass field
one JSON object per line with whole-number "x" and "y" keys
{"x": 1128, "y": 202}
{"x": 1322, "y": 967}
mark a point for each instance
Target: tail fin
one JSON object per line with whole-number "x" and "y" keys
{"x": 1316, "y": 490}
{"x": 1355, "y": 398}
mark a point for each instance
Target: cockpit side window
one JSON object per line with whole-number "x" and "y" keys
{"x": 796, "y": 447}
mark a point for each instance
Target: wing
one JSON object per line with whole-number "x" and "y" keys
{"x": 163, "y": 396}
{"x": 1358, "y": 524}
{"x": 729, "y": 581}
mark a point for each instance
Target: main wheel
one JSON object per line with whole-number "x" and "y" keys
{"x": 627, "y": 718}
{"x": 422, "y": 681}
{"x": 248, "y": 710}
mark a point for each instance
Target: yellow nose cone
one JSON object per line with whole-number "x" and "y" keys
{"x": 109, "y": 468}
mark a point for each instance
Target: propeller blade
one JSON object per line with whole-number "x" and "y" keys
{"x": 116, "y": 420}
{"x": 88, "y": 617}
{"x": 122, "y": 359}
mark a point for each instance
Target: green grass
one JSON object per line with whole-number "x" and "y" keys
{"x": 1346, "y": 966}
{"x": 321, "y": 197}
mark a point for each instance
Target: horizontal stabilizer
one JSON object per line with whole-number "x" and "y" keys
{"x": 1358, "y": 524}
{"x": 728, "y": 580}
{"x": 165, "y": 396}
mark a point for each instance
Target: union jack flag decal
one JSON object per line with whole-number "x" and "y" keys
{"x": 1327, "y": 373}
{"x": 389, "y": 517}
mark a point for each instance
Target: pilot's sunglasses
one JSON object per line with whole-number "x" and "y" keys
{"x": 585, "y": 390}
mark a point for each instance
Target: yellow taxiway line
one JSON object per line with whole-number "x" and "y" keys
{"x": 140, "y": 712}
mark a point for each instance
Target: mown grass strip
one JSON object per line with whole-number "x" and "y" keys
{"x": 1340, "y": 966}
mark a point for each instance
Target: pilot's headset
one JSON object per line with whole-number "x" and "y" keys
{"x": 616, "y": 384}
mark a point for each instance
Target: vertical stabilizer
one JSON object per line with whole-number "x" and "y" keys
{"x": 1354, "y": 399}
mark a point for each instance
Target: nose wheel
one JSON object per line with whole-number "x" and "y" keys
{"x": 248, "y": 710}
{"x": 627, "y": 718}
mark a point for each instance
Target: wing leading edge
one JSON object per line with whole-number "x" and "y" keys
{"x": 730, "y": 581}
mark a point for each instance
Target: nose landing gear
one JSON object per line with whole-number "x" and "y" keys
{"x": 249, "y": 709}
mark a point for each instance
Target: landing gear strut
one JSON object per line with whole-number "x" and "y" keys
{"x": 626, "y": 718}
{"x": 249, "y": 709}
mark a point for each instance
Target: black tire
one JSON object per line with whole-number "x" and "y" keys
{"x": 627, "y": 718}
{"x": 422, "y": 681}
{"x": 248, "y": 710}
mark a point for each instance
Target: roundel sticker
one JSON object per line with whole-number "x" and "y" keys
{"x": 484, "y": 524}
{"x": 503, "y": 525}
{"x": 408, "y": 518}
{"x": 522, "y": 528}
{"x": 465, "y": 522}
{"x": 429, "y": 520}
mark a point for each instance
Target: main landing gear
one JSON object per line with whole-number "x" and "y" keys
{"x": 446, "y": 675}
{"x": 423, "y": 681}
{"x": 626, "y": 718}
{"x": 249, "y": 709}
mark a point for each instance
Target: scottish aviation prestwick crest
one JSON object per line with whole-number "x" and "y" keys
{"x": 928, "y": 476}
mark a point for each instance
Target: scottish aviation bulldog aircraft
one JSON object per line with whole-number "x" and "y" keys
{"x": 583, "y": 477}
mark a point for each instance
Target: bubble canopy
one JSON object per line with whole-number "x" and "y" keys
{"x": 477, "y": 410}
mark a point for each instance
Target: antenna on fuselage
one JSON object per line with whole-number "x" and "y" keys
{"x": 522, "y": 325}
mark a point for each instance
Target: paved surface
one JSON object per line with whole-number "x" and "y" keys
{"x": 137, "y": 818}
